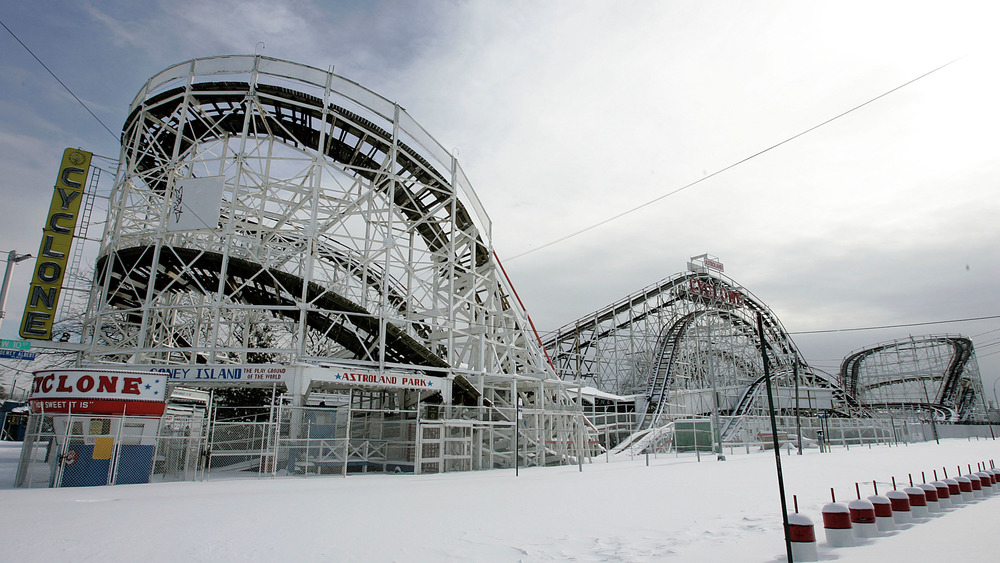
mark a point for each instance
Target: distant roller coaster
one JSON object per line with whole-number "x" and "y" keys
{"x": 688, "y": 347}
{"x": 922, "y": 373}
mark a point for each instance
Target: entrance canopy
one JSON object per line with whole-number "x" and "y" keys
{"x": 296, "y": 379}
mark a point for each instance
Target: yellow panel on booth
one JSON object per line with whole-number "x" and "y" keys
{"x": 103, "y": 447}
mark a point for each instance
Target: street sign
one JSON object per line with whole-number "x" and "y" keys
{"x": 15, "y": 344}
{"x": 17, "y": 354}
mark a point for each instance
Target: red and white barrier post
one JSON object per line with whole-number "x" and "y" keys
{"x": 863, "y": 518}
{"x": 956, "y": 492}
{"x": 900, "y": 502}
{"x": 977, "y": 485}
{"x": 883, "y": 513}
{"x": 837, "y": 525}
{"x": 918, "y": 502}
{"x": 986, "y": 481}
{"x": 931, "y": 494}
{"x": 944, "y": 494}
{"x": 965, "y": 485}
{"x": 803, "y": 537}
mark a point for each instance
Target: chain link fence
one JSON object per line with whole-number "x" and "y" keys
{"x": 87, "y": 450}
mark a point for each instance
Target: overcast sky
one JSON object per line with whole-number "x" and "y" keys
{"x": 564, "y": 114}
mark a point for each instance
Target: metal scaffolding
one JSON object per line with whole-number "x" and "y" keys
{"x": 917, "y": 376}
{"x": 270, "y": 212}
{"x": 688, "y": 347}
{"x": 266, "y": 212}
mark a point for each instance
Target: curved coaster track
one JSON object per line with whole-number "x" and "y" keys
{"x": 934, "y": 372}
{"x": 339, "y": 231}
{"x": 684, "y": 343}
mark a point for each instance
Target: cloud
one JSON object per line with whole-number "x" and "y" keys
{"x": 235, "y": 26}
{"x": 565, "y": 114}
{"x": 123, "y": 33}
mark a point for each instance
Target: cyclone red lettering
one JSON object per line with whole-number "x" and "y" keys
{"x": 131, "y": 385}
{"x": 85, "y": 384}
{"x": 62, "y": 387}
{"x": 107, "y": 384}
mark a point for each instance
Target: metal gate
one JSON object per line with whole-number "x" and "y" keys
{"x": 90, "y": 450}
{"x": 444, "y": 445}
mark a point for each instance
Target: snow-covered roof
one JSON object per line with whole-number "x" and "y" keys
{"x": 593, "y": 392}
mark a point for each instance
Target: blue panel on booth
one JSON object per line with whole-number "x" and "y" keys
{"x": 135, "y": 462}
{"x": 81, "y": 469}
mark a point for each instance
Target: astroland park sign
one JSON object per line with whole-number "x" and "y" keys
{"x": 352, "y": 377}
{"x": 98, "y": 391}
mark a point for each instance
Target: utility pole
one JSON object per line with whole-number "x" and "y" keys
{"x": 798, "y": 421}
{"x": 774, "y": 433}
{"x": 717, "y": 431}
{"x": 12, "y": 258}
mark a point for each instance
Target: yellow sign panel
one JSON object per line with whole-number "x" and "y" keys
{"x": 103, "y": 447}
{"x": 53, "y": 253}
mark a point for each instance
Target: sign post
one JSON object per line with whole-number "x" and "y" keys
{"x": 774, "y": 433}
{"x": 798, "y": 423}
{"x": 821, "y": 415}
{"x": 517, "y": 430}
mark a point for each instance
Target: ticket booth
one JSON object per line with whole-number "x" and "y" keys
{"x": 104, "y": 423}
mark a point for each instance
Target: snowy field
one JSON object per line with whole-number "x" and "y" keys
{"x": 675, "y": 509}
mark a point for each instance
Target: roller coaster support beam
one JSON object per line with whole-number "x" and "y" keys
{"x": 716, "y": 430}
{"x": 798, "y": 422}
{"x": 774, "y": 434}
{"x": 986, "y": 410}
{"x": 931, "y": 413}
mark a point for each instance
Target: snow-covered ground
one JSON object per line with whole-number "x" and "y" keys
{"x": 676, "y": 509}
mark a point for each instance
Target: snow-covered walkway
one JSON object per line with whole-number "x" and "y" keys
{"x": 676, "y": 509}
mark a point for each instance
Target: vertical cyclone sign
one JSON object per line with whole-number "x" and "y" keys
{"x": 53, "y": 253}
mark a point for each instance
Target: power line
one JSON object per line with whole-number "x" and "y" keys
{"x": 855, "y": 329}
{"x": 731, "y": 166}
{"x": 860, "y": 328}
{"x": 987, "y": 332}
{"x": 63, "y": 84}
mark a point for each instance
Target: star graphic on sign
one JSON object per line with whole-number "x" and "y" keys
{"x": 148, "y": 386}
{"x": 337, "y": 376}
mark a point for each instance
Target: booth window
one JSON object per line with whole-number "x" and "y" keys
{"x": 100, "y": 426}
